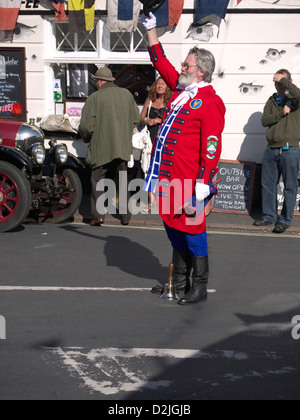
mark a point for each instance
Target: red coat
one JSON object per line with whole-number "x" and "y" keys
{"x": 192, "y": 149}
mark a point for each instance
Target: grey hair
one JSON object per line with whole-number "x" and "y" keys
{"x": 205, "y": 61}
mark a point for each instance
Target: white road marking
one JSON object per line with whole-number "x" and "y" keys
{"x": 45, "y": 246}
{"x": 72, "y": 289}
{"x": 111, "y": 366}
{"x": 77, "y": 289}
{"x": 114, "y": 370}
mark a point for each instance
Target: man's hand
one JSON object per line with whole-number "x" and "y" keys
{"x": 202, "y": 191}
{"x": 149, "y": 22}
{"x": 277, "y": 77}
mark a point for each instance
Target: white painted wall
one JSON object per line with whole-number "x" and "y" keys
{"x": 240, "y": 46}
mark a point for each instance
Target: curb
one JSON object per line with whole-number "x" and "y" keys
{"x": 155, "y": 221}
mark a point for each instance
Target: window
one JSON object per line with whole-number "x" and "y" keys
{"x": 136, "y": 78}
{"x": 129, "y": 42}
{"x": 98, "y": 46}
{"x": 67, "y": 55}
{"x": 81, "y": 42}
{"x": 112, "y": 42}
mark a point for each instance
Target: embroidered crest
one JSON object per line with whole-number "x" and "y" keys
{"x": 212, "y": 147}
{"x": 196, "y": 104}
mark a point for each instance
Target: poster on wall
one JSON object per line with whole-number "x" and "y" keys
{"x": 12, "y": 84}
{"x": 77, "y": 81}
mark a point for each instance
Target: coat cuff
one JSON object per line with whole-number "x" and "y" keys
{"x": 156, "y": 52}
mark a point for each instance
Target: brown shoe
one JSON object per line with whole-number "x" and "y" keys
{"x": 97, "y": 222}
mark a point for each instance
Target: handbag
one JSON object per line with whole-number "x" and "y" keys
{"x": 141, "y": 142}
{"x": 146, "y": 155}
{"x": 140, "y": 138}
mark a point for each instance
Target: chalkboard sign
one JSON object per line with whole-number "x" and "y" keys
{"x": 235, "y": 190}
{"x": 12, "y": 83}
{"x": 280, "y": 197}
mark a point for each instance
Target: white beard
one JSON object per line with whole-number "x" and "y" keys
{"x": 186, "y": 79}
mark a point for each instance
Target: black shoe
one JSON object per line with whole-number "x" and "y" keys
{"x": 262, "y": 222}
{"x": 198, "y": 291}
{"x": 280, "y": 227}
{"x": 193, "y": 296}
{"x": 97, "y": 222}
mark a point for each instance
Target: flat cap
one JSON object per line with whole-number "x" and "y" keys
{"x": 104, "y": 73}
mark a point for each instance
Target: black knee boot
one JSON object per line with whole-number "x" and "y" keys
{"x": 182, "y": 270}
{"x": 198, "y": 291}
{"x": 181, "y": 274}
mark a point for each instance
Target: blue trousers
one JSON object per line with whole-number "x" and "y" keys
{"x": 185, "y": 242}
{"x": 279, "y": 163}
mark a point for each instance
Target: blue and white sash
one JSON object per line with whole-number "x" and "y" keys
{"x": 154, "y": 169}
{"x": 153, "y": 173}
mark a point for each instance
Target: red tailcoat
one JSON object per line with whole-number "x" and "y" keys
{"x": 192, "y": 149}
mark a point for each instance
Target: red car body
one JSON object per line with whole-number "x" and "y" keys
{"x": 9, "y": 130}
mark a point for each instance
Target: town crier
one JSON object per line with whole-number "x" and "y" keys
{"x": 185, "y": 156}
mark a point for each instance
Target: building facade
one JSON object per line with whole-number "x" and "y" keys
{"x": 256, "y": 39}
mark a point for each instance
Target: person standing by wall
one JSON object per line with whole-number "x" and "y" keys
{"x": 282, "y": 117}
{"x": 108, "y": 119}
{"x": 184, "y": 161}
{"x": 152, "y": 112}
{"x": 156, "y": 103}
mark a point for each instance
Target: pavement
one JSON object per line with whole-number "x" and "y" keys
{"x": 215, "y": 221}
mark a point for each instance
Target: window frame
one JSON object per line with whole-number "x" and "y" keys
{"x": 101, "y": 56}
{"x": 116, "y": 57}
{"x": 60, "y": 57}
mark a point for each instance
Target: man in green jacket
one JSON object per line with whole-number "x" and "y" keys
{"x": 108, "y": 119}
{"x": 282, "y": 117}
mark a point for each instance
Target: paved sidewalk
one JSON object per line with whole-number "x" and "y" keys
{"x": 216, "y": 221}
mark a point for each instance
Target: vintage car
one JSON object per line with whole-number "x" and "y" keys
{"x": 33, "y": 180}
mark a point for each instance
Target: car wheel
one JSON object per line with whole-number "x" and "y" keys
{"x": 65, "y": 205}
{"x": 15, "y": 197}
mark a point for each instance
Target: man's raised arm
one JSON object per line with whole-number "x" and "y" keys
{"x": 150, "y": 26}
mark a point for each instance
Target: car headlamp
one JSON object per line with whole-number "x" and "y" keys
{"x": 38, "y": 153}
{"x": 61, "y": 154}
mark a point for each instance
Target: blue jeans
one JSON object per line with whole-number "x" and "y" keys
{"x": 277, "y": 163}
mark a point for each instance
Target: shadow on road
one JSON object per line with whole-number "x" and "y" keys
{"x": 259, "y": 363}
{"x": 130, "y": 257}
